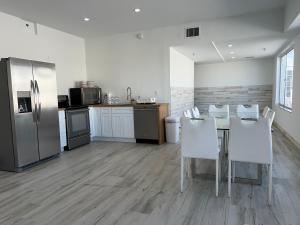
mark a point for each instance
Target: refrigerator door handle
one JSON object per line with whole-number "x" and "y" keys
{"x": 39, "y": 101}
{"x": 33, "y": 101}
{"x": 99, "y": 96}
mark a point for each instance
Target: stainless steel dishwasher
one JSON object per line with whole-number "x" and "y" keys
{"x": 146, "y": 123}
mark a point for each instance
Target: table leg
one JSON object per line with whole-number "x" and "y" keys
{"x": 257, "y": 181}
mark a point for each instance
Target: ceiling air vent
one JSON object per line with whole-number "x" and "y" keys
{"x": 192, "y": 32}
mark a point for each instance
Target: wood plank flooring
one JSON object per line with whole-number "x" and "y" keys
{"x": 138, "y": 184}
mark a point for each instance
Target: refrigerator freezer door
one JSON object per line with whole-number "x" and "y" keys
{"x": 47, "y": 109}
{"x": 25, "y": 128}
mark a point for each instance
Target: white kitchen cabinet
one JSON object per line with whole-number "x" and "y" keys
{"x": 112, "y": 123}
{"x": 122, "y": 123}
{"x": 62, "y": 130}
{"x": 92, "y": 121}
{"x": 106, "y": 125}
{"x": 95, "y": 121}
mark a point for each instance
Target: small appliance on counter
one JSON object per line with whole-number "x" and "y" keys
{"x": 146, "y": 101}
{"x": 77, "y": 126}
{"x": 63, "y": 101}
{"x": 85, "y": 96}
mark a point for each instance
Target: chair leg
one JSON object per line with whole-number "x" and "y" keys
{"x": 182, "y": 174}
{"x": 270, "y": 183}
{"x": 229, "y": 178}
{"x": 217, "y": 177}
{"x": 233, "y": 171}
{"x": 220, "y": 166}
{"x": 188, "y": 166}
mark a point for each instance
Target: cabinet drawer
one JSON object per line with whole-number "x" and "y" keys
{"x": 106, "y": 110}
{"x": 122, "y": 110}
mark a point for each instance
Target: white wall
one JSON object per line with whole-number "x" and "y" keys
{"x": 50, "y": 45}
{"x": 292, "y": 11}
{"x": 240, "y": 73}
{"x": 181, "y": 70}
{"x": 181, "y": 82}
{"x": 123, "y": 60}
{"x": 119, "y": 61}
{"x": 290, "y": 121}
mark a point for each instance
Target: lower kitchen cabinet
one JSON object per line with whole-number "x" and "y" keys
{"x": 95, "y": 122}
{"x": 123, "y": 125}
{"x": 62, "y": 129}
{"x": 106, "y": 119}
{"x": 112, "y": 122}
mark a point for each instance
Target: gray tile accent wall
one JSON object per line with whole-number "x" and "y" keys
{"x": 234, "y": 95}
{"x": 182, "y": 98}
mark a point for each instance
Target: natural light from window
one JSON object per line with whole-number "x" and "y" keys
{"x": 286, "y": 80}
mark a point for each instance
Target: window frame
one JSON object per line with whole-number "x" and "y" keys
{"x": 285, "y": 53}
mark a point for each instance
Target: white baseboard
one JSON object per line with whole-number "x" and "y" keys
{"x": 287, "y": 135}
{"x": 112, "y": 139}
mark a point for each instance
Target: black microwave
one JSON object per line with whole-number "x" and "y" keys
{"x": 85, "y": 96}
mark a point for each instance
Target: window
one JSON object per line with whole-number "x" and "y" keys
{"x": 286, "y": 80}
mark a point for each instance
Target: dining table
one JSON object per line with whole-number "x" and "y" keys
{"x": 223, "y": 126}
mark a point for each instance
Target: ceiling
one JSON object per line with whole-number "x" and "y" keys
{"x": 118, "y": 16}
{"x": 242, "y": 49}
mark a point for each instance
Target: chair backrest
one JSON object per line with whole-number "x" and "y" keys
{"x": 265, "y": 112}
{"x": 215, "y": 111}
{"x": 250, "y": 141}
{"x": 195, "y": 112}
{"x": 271, "y": 116}
{"x": 199, "y": 138}
{"x": 187, "y": 114}
{"x": 248, "y": 111}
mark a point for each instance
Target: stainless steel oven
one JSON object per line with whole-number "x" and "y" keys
{"x": 78, "y": 126}
{"x": 85, "y": 96}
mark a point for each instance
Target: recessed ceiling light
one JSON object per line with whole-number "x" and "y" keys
{"x": 233, "y": 57}
{"x": 231, "y": 53}
{"x": 137, "y": 10}
{"x": 86, "y": 19}
{"x": 229, "y": 45}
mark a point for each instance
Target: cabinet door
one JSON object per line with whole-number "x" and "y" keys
{"x": 128, "y": 126}
{"x": 97, "y": 122}
{"x": 92, "y": 121}
{"x": 122, "y": 125}
{"x": 62, "y": 129}
{"x": 117, "y": 126}
{"x": 106, "y": 124}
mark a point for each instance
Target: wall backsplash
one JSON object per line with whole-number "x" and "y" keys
{"x": 233, "y": 95}
{"x": 182, "y": 98}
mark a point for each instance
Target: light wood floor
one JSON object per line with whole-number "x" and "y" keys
{"x": 138, "y": 184}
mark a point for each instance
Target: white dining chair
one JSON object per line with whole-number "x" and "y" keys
{"x": 199, "y": 140}
{"x": 250, "y": 143}
{"x": 218, "y": 110}
{"x": 265, "y": 112}
{"x": 195, "y": 112}
{"x": 244, "y": 111}
{"x": 187, "y": 114}
{"x": 271, "y": 115}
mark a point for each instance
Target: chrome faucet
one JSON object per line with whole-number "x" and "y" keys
{"x": 129, "y": 94}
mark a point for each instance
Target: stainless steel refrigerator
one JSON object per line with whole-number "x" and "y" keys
{"x": 28, "y": 113}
